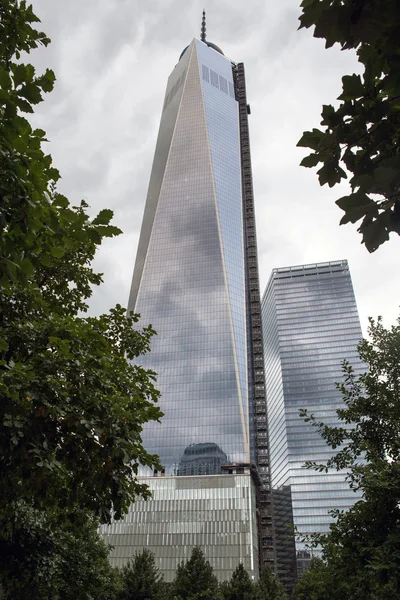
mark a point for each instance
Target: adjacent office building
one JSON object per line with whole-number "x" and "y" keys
{"x": 310, "y": 324}
{"x": 196, "y": 281}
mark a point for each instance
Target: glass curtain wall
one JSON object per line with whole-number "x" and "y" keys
{"x": 310, "y": 324}
{"x": 188, "y": 279}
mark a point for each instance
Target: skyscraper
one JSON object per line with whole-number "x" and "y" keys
{"x": 310, "y": 324}
{"x": 196, "y": 281}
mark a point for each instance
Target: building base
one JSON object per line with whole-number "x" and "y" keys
{"x": 215, "y": 512}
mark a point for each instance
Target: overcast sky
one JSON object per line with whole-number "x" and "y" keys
{"x": 112, "y": 59}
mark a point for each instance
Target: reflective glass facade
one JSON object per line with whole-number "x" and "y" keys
{"x": 196, "y": 281}
{"x": 189, "y": 276}
{"x": 310, "y": 324}
{"x": 217, "y": 513}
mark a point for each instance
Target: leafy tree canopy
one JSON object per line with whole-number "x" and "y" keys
{"x": 55, "y": 559}
{"x": 141, "y": 579}
{"x": 194, "y": 579}
{"x": 240, "y": 586}
{"x": 361, "y": 136}
{"x": 269, "y": 587}
{"x": 362, "y": 550}
{"x": 317, "y": 583}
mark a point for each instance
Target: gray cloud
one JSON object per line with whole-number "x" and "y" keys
{"x": 112, "y": 61}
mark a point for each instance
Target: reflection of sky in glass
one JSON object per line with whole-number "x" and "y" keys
{"x": 310, "y": 325}
{"x": 189, "y": 280}
{"x": 223, "y": 130}
{"x": 172, "y": 96}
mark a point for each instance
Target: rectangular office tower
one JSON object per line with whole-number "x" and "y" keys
{"x": 310, "y": 324}
{"x": 196, "y": 281}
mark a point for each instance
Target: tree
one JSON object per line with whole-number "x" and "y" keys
{"x": 65, "y": 559}
{"x": 240, "y": 586}
{"x": 194, "y": 579}
{"x": 72, "y": 400}
{"x": 362, "y": 549}
{"x": 361, "y": 135}
{"x": 316, "y": 583}
{"x": 141, "y": 579}
{"x": 269, "y": 587}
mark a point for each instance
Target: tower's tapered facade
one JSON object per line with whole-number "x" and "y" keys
{"x": 196, "y": 281}
{"x": 189, "y": 276}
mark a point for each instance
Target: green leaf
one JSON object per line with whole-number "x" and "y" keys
{"x": 54, "y": 175}
{"x": 4, "y": 95}
{"x": 329, "y": 143}
{"x": 374, "y": 233}
{"x": 331, "y": 173}
{"x": 45, "y": 260}
{"x": 24, "y": 105}
{"x": 311, "y": 139}
{"x": 20, "y": 144}
{"x": 108, "y": 230}
{"x": 356, "y": 199}
{"x": 20, "y": 74}
{"x": 311, "y": 160}
{"x": 5, "y": 80}
{"x": 352, "y": 87}
{"x": 330, "y": 118}
{"x": 61, "y": 201}
{"x": 104, "y": 217}
{"x": 31, "y": 92}
{"x": 57, "y": 252}
{"x": 46, "y": 81}
{"x": 40, "y": 133}
{"x": 27, "y": 267}
{"x": 21, "y": 125}
{"x": 95, "y": 236}
{"x": 356, "y": 206}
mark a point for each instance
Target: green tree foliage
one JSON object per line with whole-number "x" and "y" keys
{"x": 361, "y": 136}
{"x": 141, "y": 579}
{"x": 317, "y": 583}
{"x": 62, "y": 560}
{"x": 72, "y": 407}
{"x": 362, "y": 550}
{"x": 240, "y": 586}
{"x": 269, "y": 587}
{"x": 194, "y": 579}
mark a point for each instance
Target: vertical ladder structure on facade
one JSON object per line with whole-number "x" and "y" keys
{"x": 261, "y": 446}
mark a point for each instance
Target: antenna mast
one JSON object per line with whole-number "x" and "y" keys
{"x": 203, "y": 27}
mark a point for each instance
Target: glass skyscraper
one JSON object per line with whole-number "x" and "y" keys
{"x": 196, "y": 281}
{"x": 189, "y": 276}
{"x": 310, "y": 324}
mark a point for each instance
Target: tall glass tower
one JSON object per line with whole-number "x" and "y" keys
{"x": 310, "y": 324}
{"x": 189, "y": 276}
{"x": 196, "y": 281}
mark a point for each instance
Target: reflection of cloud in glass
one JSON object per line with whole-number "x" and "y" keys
{"x": 310, "y": 324}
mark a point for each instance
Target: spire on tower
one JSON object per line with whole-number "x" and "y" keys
{"x": 203, "y": 27}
